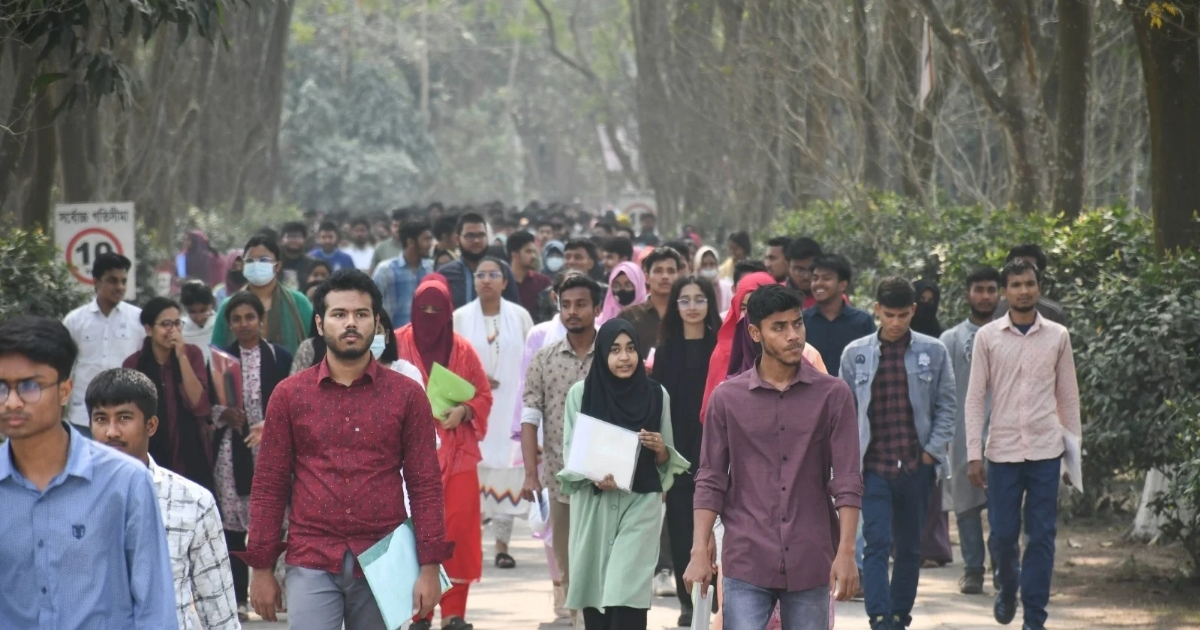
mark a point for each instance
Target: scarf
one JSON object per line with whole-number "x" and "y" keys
{"x": 178, "y": 445}
{"x": 925, "y": 320}
{"x": 718, "y": 365}
{"x": 744, "y": 352}
{"x": 611, "y": 306}
{"x": 497, "y": 447}
{"x": 633, "y": 403}
{"x": 270, "y": 374}
{"x": 234, "y": 280}
{"x": 433, "y": 332}
{"x": 284, "y": 326}
{"x": 672, "y": 370}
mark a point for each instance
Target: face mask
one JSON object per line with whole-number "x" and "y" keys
{"x": 625, "y": 298}
{"x": 259, "y": 274}
{"x": 709, "y": 274}
{"x": 377, "y": 345}
{"x": 554, "y": 263}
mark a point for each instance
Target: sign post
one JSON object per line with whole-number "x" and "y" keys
{"x": 86, "y": 230}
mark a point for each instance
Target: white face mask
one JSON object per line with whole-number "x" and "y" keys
{"x": 709, "y": 274}
{"x": 259, "y": 274}
{"x": 377, "y": 345}
{"x": 554, "y": 263}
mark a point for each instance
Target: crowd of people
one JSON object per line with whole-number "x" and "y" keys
{"x": 275, "y": 423}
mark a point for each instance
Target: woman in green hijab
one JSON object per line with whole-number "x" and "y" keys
{"x": 287, "y": 310}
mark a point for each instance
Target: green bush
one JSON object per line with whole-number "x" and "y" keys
{"x": 34, "y": 280}
{"x": 1178, "y": 505}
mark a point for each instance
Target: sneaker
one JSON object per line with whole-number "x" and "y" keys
{"x": 560, "y": 603}
{"x": 971, "y": 583}
{"x": 901, "y": 622}
{"x": 243, "y": 613}
{"x": 685, "y": 619}
{"x": 881, "y": 623}
{"x": 457, "y": 623}
{"x": 1005, "y": 608}
{"x": 664, "y": 584}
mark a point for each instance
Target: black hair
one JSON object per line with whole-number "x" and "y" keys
{"x": 541, "y": 223}
{"x": 802, "y": 248}
{"x": 41, "y": 340}
{"x": 360, "y": 220}
{"x": 746, "y": 267}
{"x": 446, "y": 224}
{"x": 621, "y": 246}
{"x": 329, "y": 226}
{"x": 562, "y": 277}
{"x": 1029, "y": 250}
{"x": 469, "y": 217}
{"x": 268, "y": 233}
{"x": 244, "y": 298}
{"x": 118, "y": 386}
{"x": 741, "y": 239}
{"x": 496, "y": 260}
{"x": 660, "y": 254}
{"x": 517, "y": 241}
{"x": 672, "y": 322}
{"x": 155, "y": 307}
{"x": 391, "y": 351}
{"x": 435, "y": 205}
{"x": 412, "y": 230}
{"x": 196, "y": 292}
{"x": 259, "y": 240}
{"x": 769, "y": 299}
{"x": 581, "y": 280}
{"x": 584, "y": 244}
{"x": 781, "y": 242}
{"x": 1016, "y": 267}
{"x": 650, "y": 215}
{"x": 833, "y": 262}
{"x": 682, "y": 247}
{"x": 353, "y": 280}
{"x": 895, "y": 292}
{"x": 108, "y": 261}
{"x": 400, "y": 215}
{"x": 294, "y": 227}
{"x": 983, "y": 274}
{"x": 606, "y": 226}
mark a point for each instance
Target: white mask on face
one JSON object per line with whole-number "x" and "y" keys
{"x": 708, "y": 274}
{"x": 377, "y": 345}
{"x": 554, "y": 263}
{"x": 259, "y": 274}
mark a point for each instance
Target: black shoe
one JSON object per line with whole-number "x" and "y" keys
{"x": 685, "y": 619}
{"x": 423, "y": 624}
{"x": 882, "y": 623}
{"x": 1026, "y": 626}
{"x": 901, "y": 622}
{"x": 1005, "y": 608}
{"x": 456, "y": 623}
{"x": 971, "y": 582}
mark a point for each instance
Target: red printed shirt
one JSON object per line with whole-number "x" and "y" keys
{"x": 340, "y": 454}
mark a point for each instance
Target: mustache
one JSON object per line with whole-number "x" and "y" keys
{"x": 116, "y": 443}
{"x": 351, "y": 333}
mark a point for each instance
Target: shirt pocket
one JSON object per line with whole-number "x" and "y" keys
{"x": 862, "y": 379}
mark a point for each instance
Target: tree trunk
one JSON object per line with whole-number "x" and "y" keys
{"x": 1171, "y": 69}
{"x": 36, "y": 210}
{"x": 872, "y": 169}
{"x": 1074, "y": 59}
{"x": 13, "y": 138}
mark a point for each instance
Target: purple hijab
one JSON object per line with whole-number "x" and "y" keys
{"x": 744, "y": 351}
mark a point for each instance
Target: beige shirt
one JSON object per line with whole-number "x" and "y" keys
{"x": 1035, "y": 396}
{"x": 552, "y": 372}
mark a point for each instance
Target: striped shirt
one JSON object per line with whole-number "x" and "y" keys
{"x": 199, "y": 558}
{"x": 398, "y": 284}
{"x": 1035, "y": 397}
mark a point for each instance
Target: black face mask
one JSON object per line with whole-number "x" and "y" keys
{"x": 237, "y": 277}
{"x": 625, "y": 298}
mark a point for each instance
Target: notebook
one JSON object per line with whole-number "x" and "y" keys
{"x": 599, "y": 448}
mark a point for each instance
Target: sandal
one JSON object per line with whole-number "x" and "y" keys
{"x": 505, "y": 561}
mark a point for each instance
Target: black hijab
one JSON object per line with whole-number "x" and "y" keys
{"x": 925, "y": 320}
{"x": 633, "y": 403}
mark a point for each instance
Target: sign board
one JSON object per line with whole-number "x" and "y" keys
{"x": 86, "y": 230}
{"x": 635, "y": 207}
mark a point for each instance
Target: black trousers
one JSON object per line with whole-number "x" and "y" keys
{"x": 679, "y": 525}
{"x": 236, "y": 541}
{"x": 615, "y": 618}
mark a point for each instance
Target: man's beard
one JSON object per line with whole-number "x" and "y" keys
{"x": 345, "y": 354}
{"x": 977, "y": 314}
{"x": 472, "y": 257}
{"x": 1027, "y": 309}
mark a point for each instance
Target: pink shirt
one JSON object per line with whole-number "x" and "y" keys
{"x": 1035, "y": 397}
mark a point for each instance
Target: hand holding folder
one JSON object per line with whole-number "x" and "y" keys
{"x": 447, "y": 389}
{"x": 392, "y": 569}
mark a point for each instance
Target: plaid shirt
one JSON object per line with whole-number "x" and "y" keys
{"x": 895, "y": 446}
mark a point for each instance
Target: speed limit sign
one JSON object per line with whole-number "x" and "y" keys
{"x": 86, "y": 231}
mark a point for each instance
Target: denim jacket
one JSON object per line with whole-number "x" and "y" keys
{"x": 930, "y": 390}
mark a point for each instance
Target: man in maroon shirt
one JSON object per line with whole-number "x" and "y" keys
{"x": 779, "y": 463}
{"x": 339, "y": 441}
{"x": 523, "y": 258}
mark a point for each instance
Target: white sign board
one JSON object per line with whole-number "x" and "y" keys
{"x": 635, "y": 207}
{"x": 85, "y": 230}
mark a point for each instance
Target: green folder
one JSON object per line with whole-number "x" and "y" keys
{"x": 391, "y": 569}
{"x": 447, "y": 389}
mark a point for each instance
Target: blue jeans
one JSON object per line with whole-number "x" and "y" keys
{"x": 1037, "y": 484}
{"x": 970, "y": 538}
{"x": 893, "y": 517}
{"x": 748, "y": 607}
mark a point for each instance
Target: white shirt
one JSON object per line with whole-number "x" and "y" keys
{"x": 104, "y": 343}
{"x": 361, "y": 257}
{"x": 199, "y": 557}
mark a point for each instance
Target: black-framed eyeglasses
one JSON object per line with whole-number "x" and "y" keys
{"x": 168, "y": 324}
{"x": 474, "y": 236}
{"x": 28, "y": 390}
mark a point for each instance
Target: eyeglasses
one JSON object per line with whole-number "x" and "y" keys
{"x": 28, "y": 390}
{"x": 488, "y": 275}
{"x": 686, "y": 303}
{"x": 474, "y": 236}
{"x": 264, "y": 259}
{"x": 168, "y": 324}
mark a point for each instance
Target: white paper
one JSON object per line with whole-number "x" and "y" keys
{"x": 701, "y": 607}
{"x": 599, "y": 449}
{"x": 1073, "y": 459}
{"x": 539, "y": 513}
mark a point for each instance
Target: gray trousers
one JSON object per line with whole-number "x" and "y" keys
{"x": 319, "y": 600}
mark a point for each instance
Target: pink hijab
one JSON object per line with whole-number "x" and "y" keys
{"x": 635, "y": 275}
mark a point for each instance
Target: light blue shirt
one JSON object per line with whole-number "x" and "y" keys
{"x": 88, "y": 553}
{"x": 397, "y": 284}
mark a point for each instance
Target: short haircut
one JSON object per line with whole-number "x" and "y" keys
{"x": 770, "y": 299}
{"x": 363, "y": 221}
{"x": 983, "y": 274}
{"x": 119, "y": 386}
{"x": 648, "y": 215}
{"x": 329, "y": 226}
{"x": 445, "y": 225}
{"x": 781, "y": 242}
{"x": 196, "y": 292}
{"x": 517, "y": 241}
{"x": 660, "y": 254}
{"x": 294, "y": 227}
{"x": 584, "y": 244}
{"x": 108, "y": 261}
{"x": 581, "y": 281}
{"x": 319, "y": 262}
{"x": 353, "y": 280}
{"x": 803, "y": 248}
{"x": 435, "y": 205}
{"x": 833, "y": 262}
{"x": 400, "y": 215}
{"x": 563, "y": 276}
{"x": 469, "y": 217}
{"x": 681, "y": 247}
{"x": 741, "y": 239}
{"x": 155, "y": 307}
{"x": 1016, "y": 267}
{"x": 244, "y": 298}
{"x": 260, "y": 240}
{"x": 621, "y": 246}
{"x": 747, "y": 267}
{"x": 606, "y": 226}
{"x": 412, "y": 230}
{"x": 895, "y": 292}
{"x": 541, "y": 223}
{"x": 41, "y": 340}
{"x": 1029, "y": 250}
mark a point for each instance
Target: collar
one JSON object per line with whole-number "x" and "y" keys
{"x": 94, "y": 306}
{"x": 370, "y": 375}
{"x": 1006, "y": 322}
{"x": 803, "y": 375}
{"x": 79, "y": 456}
{"x": 565, "y": 347}
{"x": 905, "y": 341}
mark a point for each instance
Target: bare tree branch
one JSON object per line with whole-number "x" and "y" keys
{"x": 552, "y": 44}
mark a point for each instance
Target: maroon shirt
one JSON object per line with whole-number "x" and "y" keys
{"x": 530, "y": 289}
{"x": 895, "y": 446}
{"x": 349, "y": 449}
{"x": 770, "y": 462}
